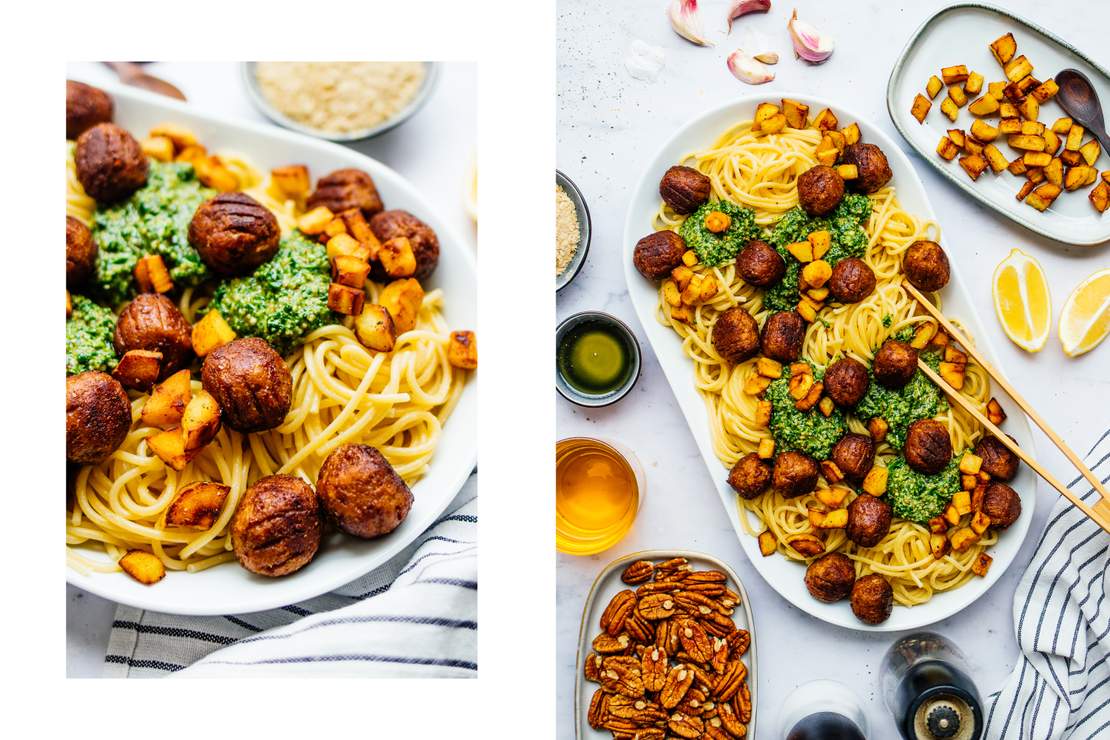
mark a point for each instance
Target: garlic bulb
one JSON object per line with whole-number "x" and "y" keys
{"x": 747, "y": 69}
{"x": 809, "y": 43}
{"x": 743, "y": 7}
{"x": 685, "y": 21}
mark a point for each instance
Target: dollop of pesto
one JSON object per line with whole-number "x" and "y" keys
{"x": 916, "y": 496}
{"x": 154, "y": 220}
{"x": 284, "y": 299}
{"x": 917, "y": 399}
{"x": 713, "y": 249}
{"x": 90, "y": 329}
{"x": 810, "y": 431}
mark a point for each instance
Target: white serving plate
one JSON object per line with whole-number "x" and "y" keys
{"x": 228, "y": 588}
{"x": 962, "y": 34}
{"x": 607, "y": 585}
{"x": 784, "y": 575}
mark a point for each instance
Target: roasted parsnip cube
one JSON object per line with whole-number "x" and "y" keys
{"x": 167, "y": 401}
{"x": 952, "y": 373}
{"x": 1090, "y": 151}
{"x": 335, "y": 227}
{"x": 191, "y": 154}
{"x": 983, "y": 131}
{"x": 1062, "y": 125}
{"x": 807, "y": 545}
{"x": 981, "y": 564}
{"x": 826, "y": 406}
{"x": 951, "y": 354}
{"x": 875, "y": 481}
{"x": 933, "y": 86}
{"x": 958, "y": 137}
{"x": 1100, "y": 196}
{"x": 831, "y": 471}
{"x": 826, "y": 121}
{"x": 938, "y": 545}
{"x": 1042, "y": 197}
{"x": 672, "y": 294}
{"x": 959, "y": 97}
{"x": 962, "y": 501}
{"x": 682, "y": 275}
{"x": 973, "y": 165}
{"x": 970, "y": 463}
{"x": 937, "y": 525}
{"x": 833, "y": 496}
{"x": 1045, "y": 91}
{"x": 800, "y": 368}
{"x": 851, "y": 133}
{"x": 877, "y": 428}
{"x": 1007, "y": 109}
{"x": 181, "y": 137}
{"x": 848, "y": 171}
{"x": 821, "y": 241}
{"x": 1076, "y": 177}
{"x": 151, "y": 274}
{"x": 763, "y": 111}
{"x": 763, "y": 413}
{"x": 947, "y": 148}
{"x": 1026, "y": 142}
{"x": 768, "y": 368}
{"x": 169, "y": 446}
{"x": 1075, "y": 137}
{"x": 995, "y": 412}
{"x": 374, "y": 328}
{"x": 143, "y": 566}
{"x": 397, "y": 257}
{"x": 345, "y": 300}
{"x": 1017, "y": 68}
{"x": 314, "y": 221}
{"x": 1009, "y": 126}
{"x": 1003, "y": 48}
{"x": 1036, "y": 159}
{"x": 756, "y": 384}
{"x": 345, "y": 244}
{"x": 358, "y": 227}
{"x": 953, "y": 74}
{"x": 969, "y": 482}
{"x": 949, "y": 108}
{"x": 774, "y": 124}
{"x": 1035, "y": 175}
{"x": 796, "y": 113}
{"x": 1035, "y": 128}
{"x": 995, "y": 89}
{"x": 807, "y": 310}
{"x": 197, "y": 505}
{"x": 816, "y": 273}
{"x": 835, "y": 519}
{"x": 201, "y": 421}
{"x": 816, "y": 517}
{"x": 995, "y": 158}
{"x": 1016, "y": 91}
{"x": 158, "y": 147}
{"x": 1016, "y": 167}
{"x": 214, "y": 173}
{"x": 951, "y": 515}
{"x": 800, "y": 385}
{"x": 802, "y": 251}
{"x": 1052, "y": 141}
{"x": 766, "y": 449}
{"x": 767, "y": 543}
{"x": 923, "y": 334}
{"x": 973, "y": 145}
{"x": 689, "y": 258}
{"x": 403, "y": 298}
{"x": 826, "y": 152}
{"x": 1029, "y": 109}
{"x": 291, "y": 180}
{"x": 210, "y": 332}
{"x": 980, "y": 522}
{"x": 974, "y": 83}
{"x": 692, "y": 292}
{"x": 348, "y": 270}
{"x": 138, "y": 369}
{"x": 984, "y": 106}
{"x": 683, "y": 313}
{"x": 462, "y": 350}
{"x": 811, "y": 399}
{"x": 1071, "y": 159}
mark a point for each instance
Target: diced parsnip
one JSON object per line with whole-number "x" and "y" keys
{"x": 959, "y": 97}
{"x": 1036, "y": 159}
{"x": 682, "y": 275}
{"x": 1007, "y": 109}
{"x": 403, "y": 299}
{"x": 214, "y": 173}
{"x": 191, "y": 154}
{"x": 800, "y": 368}
{"x": 397, "y": 257}
{"x": 951, "y": 515}
{"x": 201, "y": 421}
{"x": 800, "y": 385}
{"x": 1075, "y": 137}
{"x": 774, "y": 124}
{"x": 1009, "y": 126}
{"x": 984, "y": 106}
{"x": 689, "y": 258}
{"x": 292, "y": 180}
{"x": 158, "y": 147}
{"x": 973, "y": 165}
{"x": 995, "y": 158}
{"x": 151, "y": 274}
{"x": 1035, "y": 175}
{"x": 345, "y": 300}
{"x": 973, "y": 145}
{"x": 69, "y": 305}
{"x": 1042, "y": 197}
{"x": 211, "y": 332}
{"x": 1017, "y": 68}
{"x": 348, "y": 270}
{"x": 1062, "y": 125}
{"x": 982, "y": 564}
{"x": 848, "y": 171}
{"x": 949, "y": 108}
{"x": 335, "y": 227}
{"x": 683, "y": 313}
{"x": 692, "y": 292}
{"x": 766, "y": 449}
{"x": 958, "y": 137}
{"x": 811, "y": 398}
{"x": 962, "y": 501}
{"x": 994, "y": 89}
{"x": 672, "y": 294}
{"x": 983, "y": 131}
{"x": 1017, "y": 167}
{"x": 796, "y": 113}
{"x": 462, "y": 350}
{"x": 875, "y": 481}
{"x": 1029, "y": 109}
{"x": 802, "y": 251}
{"x": 763, "y": 111}
{"x": 197, "y": 505}
{"x": 1076, "y": 177}
{"x": 969, "y": 482}
{"x": 143, "y": 566}
{"x": 831, "y": 471}
{"x": 816, "y": 517}
{"x": 953, "y": 74}
{"x": 807, "y": 545}
{"x": 768, "y": 368}
{"x": 947, "y": 148}
{"x": 980, "y": 522}
{"x": 933, "y": 86}
{"x": 763, "y": 413}
{"x": 374, "y": 328}
{"x": 953, "y": 374}
{"x": 938, "y": 545}
{"x": 314, "y": 221}
{"x": 169, "y": 446}
{"x": 1071, "y": 159}
{"x": 974, "y": 83}
{"x": 1003, "y": 48}
{"x": 923, "y": 334}
{"x": 807, "y": 311}
{"x": 835, "y": 519}
{"x": 826, "y": 152}
{"x": 951, "y": 354}
{"x": 1052, "y": 141}
{"x": 181, "y": 137}
{"x": 851, "y": 133}
{"x": 768, "y": 543}
{"x": 995, "y": 412}
{"x": 1100, "y": 196}
{"x": 826, "y": 121}
{"x": 1045, "y": 91}
{"x": 826, "y": 406}
{"x": 1026, "y": 142}
{"x": 832, "y": 496}
{"x": 1017, "y": 91}
{"x": 167, "y": 401}
{"x": 970, "y": 463}
{"x": 359, "y": 228}
{"x": 877, "y": 428}
{"x": 345, "y": 244}
{"x": 138, "y": 369}
{"x": 1090, "y": 151}
{"x": 816, "y": 273}
{"x": 821, "y": 241}
{"x": 937, "y": 525}
{"x": 1034, "y": 128}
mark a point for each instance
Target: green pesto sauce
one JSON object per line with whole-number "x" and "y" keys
{"x": 917, "y": 399}
{"x": 89, "y": 333}
{"x": 155, "y": 220}
{"x": 284, "y": 299}
{"x": 810, "y": 431}
{"x": 916, "y": 496}
{"x": 713, "y": 249}
{"x": 905, "y": 334}
{"x": 887, "y": 318}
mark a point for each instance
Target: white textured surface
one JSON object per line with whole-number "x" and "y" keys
{"x": 608, "y": 123}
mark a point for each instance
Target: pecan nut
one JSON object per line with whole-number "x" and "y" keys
{"x": 730, "y": 681}
{"x": 598, "y": 709}
{"x": 694, "y": 641}
{"x": 656, "y": 606}
{"x": 742, "y": 703}
{"x": 640, "y": 571}
{"x": 720, "y": 655}
{"x": 679, "y": 680}
{"x": 639, "y": 628}
{"x": 604, "y": 644}
{"x": 649, "y": 733}
{"x": 731, "y": 723}
{"x": 612, "y": 619}
{"x": 738, "y": 643}
{"x": 621, "y": 675}
{"x": 591, "y": 667}
{"x": 653, "y": 669}
{"x": 686, "y": 726}
{"x": 714, "y": 731}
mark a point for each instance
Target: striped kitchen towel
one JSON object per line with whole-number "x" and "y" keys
{"x": 415, "y": 616}
{"x": 1061, "y": 686}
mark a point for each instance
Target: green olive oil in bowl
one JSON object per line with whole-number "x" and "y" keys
{"x": 597, "y": 359}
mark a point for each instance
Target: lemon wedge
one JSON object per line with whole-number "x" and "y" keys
{"x": 1085, "y": 320}
{"x": 1021, "y": 300}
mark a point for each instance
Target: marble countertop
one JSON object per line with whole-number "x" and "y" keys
{"x": 436, "y": 158}
{"x": 607, "y": 123}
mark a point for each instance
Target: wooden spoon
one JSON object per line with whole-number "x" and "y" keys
{"x": 131, "y": 73}
{"x": 1079, "y": 100}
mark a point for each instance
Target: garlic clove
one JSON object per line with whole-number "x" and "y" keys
{"x": 809, "y": 43}
{"x": 768, "y": 57}
{"x": 685, "y": 21}
{"x": 743, "y": 7}
{"x": 746, "y": 69}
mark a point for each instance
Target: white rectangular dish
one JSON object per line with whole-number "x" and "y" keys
{"x": 962, "y": 34}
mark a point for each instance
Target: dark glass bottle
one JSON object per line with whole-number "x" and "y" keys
{"x": 825, "y": 726}
{"x": 823, "y": 710}
{"x": 927, "y": 689}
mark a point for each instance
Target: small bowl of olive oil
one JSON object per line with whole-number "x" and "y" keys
{"x": 597, "y": 359}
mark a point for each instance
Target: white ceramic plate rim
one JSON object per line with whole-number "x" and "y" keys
{"x": 455, "y": 457}
{"x": 783, "y": 575}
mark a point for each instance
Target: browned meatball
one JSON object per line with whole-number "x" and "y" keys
{"x": 98, "y": 416}
{"x": 1002, "y": 504}
{"x": 846, "y": 382}
{"x": 361, "y": 492}
{"x": 852, "y": 280}
{"x": 736, "y": 335}
{"x": 998, "y": 461}
{"x": 684, "y": 189}
{"x": 782, "y": 336}
{"x": 750, "y": 476}
{"x": 250, "y": 382}
{"x": 345, "y": 189}
{"x": 820, "y": 189}
{"x": 153, "y": 322}
{"x": 794, "y": 474}
{"x": 657, "y": 254}
{"x": 234, "y": 233}
{"x": 80, "y": 253}
{"x": 759, "y": 264}
{"x": 874, "y": 171}
{"x": 86, "y": 106}
{"x": 872, "y": 599}
{"x": 928, "y": 447}
{"x": 894, "y": 364}
{"x": 868, "y": 520}
{"x": 830, "y": 577}
{"x": 276, "y": 528}
{"x": 926, "y": 265}
{"x": 854, "y": 454}
{"x": 425, "y": 245}
{"x": 110, "y": 163}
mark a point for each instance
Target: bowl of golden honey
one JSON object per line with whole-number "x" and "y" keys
{"x": 599, "y": 489}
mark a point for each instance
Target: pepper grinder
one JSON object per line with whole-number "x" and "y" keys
{"x": 926, "y": 687}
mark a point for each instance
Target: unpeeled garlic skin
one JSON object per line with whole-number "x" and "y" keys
{"x": 809, "y": 44}
{"x": 743, "y": 7}
{"x": 683, "y": 15}
{"x": 746, "y": 69}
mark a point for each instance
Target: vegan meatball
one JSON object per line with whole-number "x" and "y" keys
{"x": 345, "y": 189}
{"x": 830, "y": 577}
{"x": 998, "y": 461}
{"x": 361, "y": 492}
{"x": 894, "y": 364}
{"x": 820, "y": 189}
{"x": 425, "y": 245}
{"x": 98, "y": 416}
{"x": 1002, "y": 504}
{"x": 86, "y": 106}
{"x": 872, "y": 599}
{"x": 234, "y": 233}
{"x": 782, "y": 336}
{"x": 736, "y": 335}
{"x": 750, "y": 476}
{"x": 926, "y": 265}
{"x": 684, "y": 189}
{"x": 854, "y": 454}
{"x": 250, "y": 382}
{"x": 868, "y": 520}
{"x": 276, "y": 528}
{"x": 152, "y": 322}
{"x": 110, "y": 163}
{"x": 846, "y": 382}
{"x": 794, "y": 474}
{"x": 852, "y": 280}
{"x": 928, "y": 447}
{"x": 80, "y": 253}
{"x": 874, "y": 171}
{"x": 657, "y": 254}
{"x": 759, "y": 264}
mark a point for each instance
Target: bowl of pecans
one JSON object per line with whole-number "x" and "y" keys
{"x": 666, "y": 649}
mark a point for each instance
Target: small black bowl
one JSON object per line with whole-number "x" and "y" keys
{"x": 569, "y": 392}
{"x": 584, "y": 230}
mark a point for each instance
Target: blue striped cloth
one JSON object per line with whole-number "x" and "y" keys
{"x": 1061, "y": 686}
{"x": 415, "y": 616}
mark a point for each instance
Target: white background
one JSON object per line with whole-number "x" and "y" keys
{"x": 608, "y": 123}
